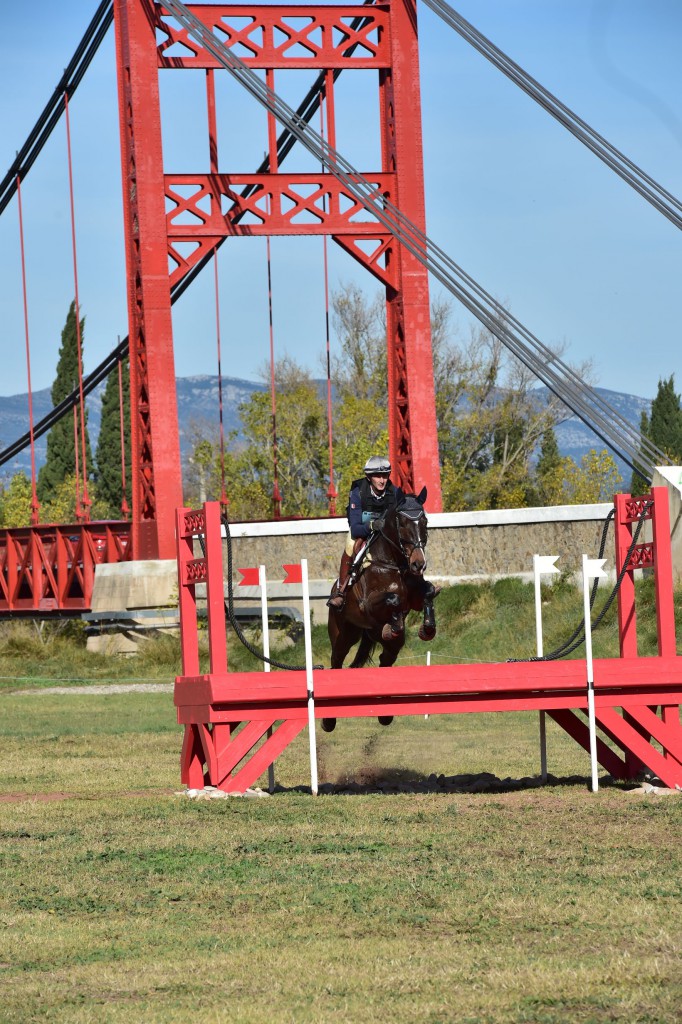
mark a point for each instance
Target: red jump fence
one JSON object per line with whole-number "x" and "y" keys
{"x": 237, "y": 724}
{"x": 47, "y": 570}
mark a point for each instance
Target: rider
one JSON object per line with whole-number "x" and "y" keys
{"x": 371, "y": 497}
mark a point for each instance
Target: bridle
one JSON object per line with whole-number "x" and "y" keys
{"x": 400, "y": 545}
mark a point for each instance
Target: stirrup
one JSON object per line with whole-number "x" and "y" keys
{"x": 335, "y": 598}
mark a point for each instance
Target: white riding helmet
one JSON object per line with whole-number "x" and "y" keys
{"x": 377, "y": 465}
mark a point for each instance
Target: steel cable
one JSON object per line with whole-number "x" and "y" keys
{"x": 576, "y": 395}
{"x": 654, "y": 193}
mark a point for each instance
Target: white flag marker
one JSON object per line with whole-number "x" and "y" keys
{"x": 542, "y": 564}
{"x": 309, "y": 674}
{"x": 263, "y": 583}
{"x": 593, "y": 568}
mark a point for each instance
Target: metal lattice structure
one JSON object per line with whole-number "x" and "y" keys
{"x": 177, "y": 220}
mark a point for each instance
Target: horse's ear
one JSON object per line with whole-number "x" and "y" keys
{"x": 421, "y": 497}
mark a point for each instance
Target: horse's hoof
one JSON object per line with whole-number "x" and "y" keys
{"x": 385, "y": 719}
{"x": 427, "y": 632}
{"x": 328, "y": 724}
{"x": 388, "y": 633}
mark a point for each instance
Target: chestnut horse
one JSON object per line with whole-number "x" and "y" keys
{"x": 389, "y": 584}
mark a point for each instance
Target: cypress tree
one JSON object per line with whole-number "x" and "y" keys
{"x": 666, "y": 420}
{"x": 108, "y": 455}
{"x": 61, "y": 459}
{"x": 638, "y": 485}
{"x": 546, "y": 469}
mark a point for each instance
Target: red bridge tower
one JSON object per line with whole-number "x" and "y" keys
{"x": 325, "y": 37}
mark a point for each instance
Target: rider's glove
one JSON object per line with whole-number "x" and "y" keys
{"x": 377, "y": 524}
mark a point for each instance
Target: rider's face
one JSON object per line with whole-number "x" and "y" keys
{"x": 379, "y": 483}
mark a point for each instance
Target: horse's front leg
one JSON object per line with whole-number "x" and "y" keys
{"x": 427, "y": 630}
{"x": 395, "y": 627}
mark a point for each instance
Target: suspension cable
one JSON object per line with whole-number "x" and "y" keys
{"x": 332, "y": 493}
{"x": 86, "y": 499}
{"x": 53, "y": 110}
{"x": 654, "y": 193}
{"x": 545, "y": 364}
{"x": 35, "y": 507}
{"x": 285, "y": 143}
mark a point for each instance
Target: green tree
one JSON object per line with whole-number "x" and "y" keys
{"x": 638, "y": 483}
{"x": 15, "y": 503}
{"x": 108, "y": 454}
{"x": 666, "y": 420}
{"x": 596, "y": 479}
{"x": 61, "y": 461}
{"x": 549, "y": 461}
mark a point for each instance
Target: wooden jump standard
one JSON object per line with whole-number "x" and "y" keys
{"x": 226, "y": 716}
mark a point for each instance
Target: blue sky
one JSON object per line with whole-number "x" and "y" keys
{"x": 534, "y": 217}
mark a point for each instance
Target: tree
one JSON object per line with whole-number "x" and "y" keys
{"x": 638, "y": 483}
{"x": 108, "y": 455}
{"x": 547, "y": 468}
{"x": 491, "y": 425}
{"x": 596, "y": 479}
{"x": 665, "y": 424}
{"x": 61, "y": 460}
{"x": 302, "y": 452}
{"x": 16, "y": 501}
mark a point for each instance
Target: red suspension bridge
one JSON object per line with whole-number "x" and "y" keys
{"x": 176, "y": 222}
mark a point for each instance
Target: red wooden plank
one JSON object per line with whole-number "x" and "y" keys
{"x": 264, "y": 756}
{"x": 667, "y": 770}
{"x": 239, "y": 747}
{"x": 578, "y": 731}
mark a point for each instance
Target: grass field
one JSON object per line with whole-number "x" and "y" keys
{"x": 124, "y": 901}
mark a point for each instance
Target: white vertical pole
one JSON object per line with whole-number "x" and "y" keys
{"x": 428, "y": 662}
{"x": 266, "y": 651}
{"x": 309, "y": 675}
{"x": 539, "y": 650}
{"x": 590, "y": 675}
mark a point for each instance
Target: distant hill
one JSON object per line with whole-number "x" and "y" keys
{"x": 198, "y": 405}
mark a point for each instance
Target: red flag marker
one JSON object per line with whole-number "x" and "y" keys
{"x": 293, "y": 573}
{"x": 251, "y": 577}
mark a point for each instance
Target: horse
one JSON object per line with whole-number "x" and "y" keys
{"x": 388, "y": 584}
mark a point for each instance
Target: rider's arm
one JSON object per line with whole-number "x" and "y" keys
{"x": 357, "y": 527}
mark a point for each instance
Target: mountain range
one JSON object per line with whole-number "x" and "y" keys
{"x": 198, "y": 408}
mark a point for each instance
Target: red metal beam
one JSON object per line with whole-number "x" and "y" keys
{"x": 157, "y": 481}
{"x": 47, "y": 570}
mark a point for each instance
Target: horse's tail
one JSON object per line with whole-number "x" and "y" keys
{"x": 364, "y": 653}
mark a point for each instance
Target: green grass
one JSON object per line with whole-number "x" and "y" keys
{"x": 123, "y": 901}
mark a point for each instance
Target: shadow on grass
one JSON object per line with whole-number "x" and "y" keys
{"x": 402, "y": 780}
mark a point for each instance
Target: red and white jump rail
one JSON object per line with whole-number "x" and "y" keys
{"x": 227, "y": 715}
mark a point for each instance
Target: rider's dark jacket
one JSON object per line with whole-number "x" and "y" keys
{"x": 364, "y": 505}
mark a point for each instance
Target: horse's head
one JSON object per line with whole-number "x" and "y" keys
{"x": 410, "y": 522}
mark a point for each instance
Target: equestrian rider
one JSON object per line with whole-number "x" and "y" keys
{"x": 371, "y": 497}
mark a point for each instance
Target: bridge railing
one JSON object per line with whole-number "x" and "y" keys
{"x": 51, "y": 569}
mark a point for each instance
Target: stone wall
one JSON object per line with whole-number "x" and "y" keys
{"x": 461, "y": 546}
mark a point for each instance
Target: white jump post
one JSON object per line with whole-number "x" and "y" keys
{"x": 542, "y": 564}
{"x": 266, "y": 651}
{"x": 309, "y": 675}
{"x": 593, "y": 568}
